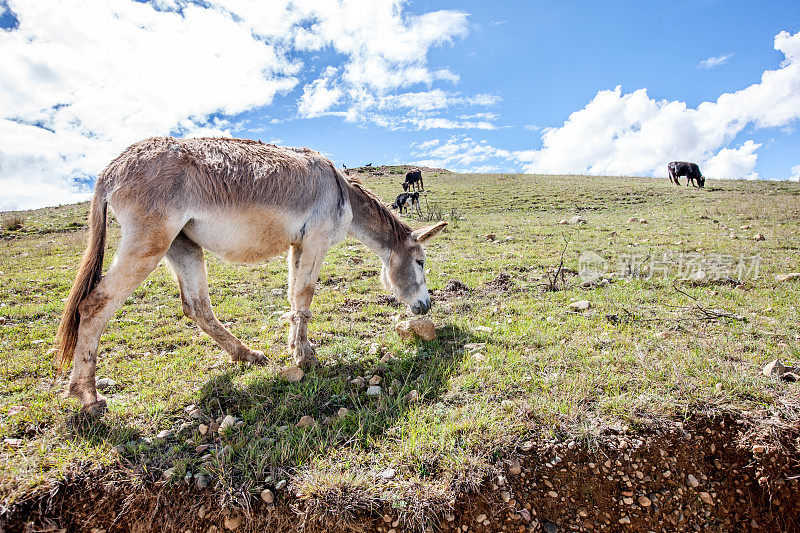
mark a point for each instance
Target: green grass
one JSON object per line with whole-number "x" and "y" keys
{"x": 643, "y": 351}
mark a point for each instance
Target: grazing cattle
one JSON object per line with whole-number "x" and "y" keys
{"x": 246, "y": 202}
{"x": 405, "y": 199}
{"x": 690, "y": 170}
{"x": 413, "y": 181}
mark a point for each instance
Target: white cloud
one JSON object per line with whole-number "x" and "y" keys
{"x": 795, "y": 173}
{"x": 632, "y": 133}
{"x": 714, "y": 61}
{"x": 460, "y": 154}
{"x": 82, "y": 79}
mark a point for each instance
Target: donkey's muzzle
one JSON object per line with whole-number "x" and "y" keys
{"x": 421, "y": 307}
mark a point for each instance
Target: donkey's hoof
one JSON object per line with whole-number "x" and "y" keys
{"x": 305, "y": 357}
{"x": 96, "y": 409}
{"x": 250, "y": 356}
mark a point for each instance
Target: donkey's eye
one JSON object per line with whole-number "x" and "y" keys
{"x": 421, "y": 263}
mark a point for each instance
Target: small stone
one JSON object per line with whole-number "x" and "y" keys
{"x": 550, "y": 527}
{"x": 168, "y": 473}
{"x": 356, "y": 260}
{"x": 480, "y": 518}
{"x": 552, "y": 494}
{"x": 342, "y": 413}
{"x": 563, "y": 221}
{"x": 524, "y": 513}
{"x": 663, "y": 334}
{"x": 201, "y": 448}
{"x": 375, "y": 380}
{"x": 278, "y": 292}
{"x": 280, "y": 485}
{"x": 196, "y": 413}
{"x": 232, "y": 523}
{"x": 267, "y": 496}
{"x": 490, "y": 236}
{"x": 228, "y": 422}
{"x": 307, "y": 422}
{"x": 692, "y": 481}
{"x": 374, "y": 348}
{"x": 412, "y": 396}
{"x": 201, "y": 513}
{"x": 483, "y": 329}
{"x": 631, "y": 220}
{"x": 104, "y": 384}
{"x": 359, "y": 382}
{"x": 202, "y": 481}
{"x": 644, "y": 501}
{"x": 374, "y": 390}
{"x": 577, "y": 219}
{"x": 292, "y": 374}
{"x": 581, "y": 305}
{"x": 624, "y": 520}
{"x": 627, "y": 501}
{"x": 759, "y": 448}
{"x": 759, "y": 237}
{"x": 706, "y": 497}
{"x": 506, "y": 496}
{"x": 165, "y": 434}
{"x": 514, "y": 468}
{"x": 203, "y": 429}
{"x": 643, "y": 221}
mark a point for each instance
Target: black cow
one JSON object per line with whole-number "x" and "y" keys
{"x": 413, "y": 181}
{"x": 405, "y": 199}
{"x": 690, "y": 170}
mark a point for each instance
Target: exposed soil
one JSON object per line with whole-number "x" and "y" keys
{"x": 703, "y": 475}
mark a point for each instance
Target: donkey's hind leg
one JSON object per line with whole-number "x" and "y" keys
{"x": 136, "y": 259}
{"x": 187, "y": 261}
{"x": 305, "y": 263}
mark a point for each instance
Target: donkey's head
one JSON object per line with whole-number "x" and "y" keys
{"x": 404, "y": 273}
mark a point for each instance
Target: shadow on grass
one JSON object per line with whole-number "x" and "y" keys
{"x": 269, "y": 441}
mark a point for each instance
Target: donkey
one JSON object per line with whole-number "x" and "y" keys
{"x": 413, "y": 181}
{"x": 244, "y": 201}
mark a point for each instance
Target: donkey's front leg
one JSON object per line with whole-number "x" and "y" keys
{"x": 305, "y": 262}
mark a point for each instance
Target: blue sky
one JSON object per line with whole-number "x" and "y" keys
{"x": 574, "y": 87}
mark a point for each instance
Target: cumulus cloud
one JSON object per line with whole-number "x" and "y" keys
{"x": 618, "y": 133}
{"x": 461, "y": 154}
{"x": 84, "y": 78}
{"x": 795, "y": 173}
{"x": 714, "y": 61}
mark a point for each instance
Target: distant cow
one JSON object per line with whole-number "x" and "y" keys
{"x": 690, "y": 170}
{"x": 404, "y": 200}
{"x": 413, "y": 181}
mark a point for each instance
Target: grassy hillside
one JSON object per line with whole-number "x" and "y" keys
{"x": 513, "y": 362}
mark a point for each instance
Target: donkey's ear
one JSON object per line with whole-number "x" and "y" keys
{"x": 423, "y": 234}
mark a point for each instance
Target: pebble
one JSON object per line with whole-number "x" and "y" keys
{"x": 292, "y": 374}
{"x": 165, "y": 434}
{"x": 202, "y": 481}
{"x": 550, "y": 527}
{"x": 581, "y": 305}
{"x": 168, "y": 473}
{"x": 307, "y": 422}
{"x": 267, "y": 496}
{"x": 374, "y": 390}
{"x": 389, "y": 473}
{"x": 232, "y": 522}
{"x": 424, "y": 328}
{"x": 480, "y": 518}
{"x": 342, "y": 413}
{"x": 692, "y": 481}
{"x": 706, "y": 497}
{"x": 103, "y": 384}
{"x": 375, "y": 380}
{"x": 203, "y": 429}
{"x": 515, "y": 469}
{"x": 280, "y": 485}
{"x": 644, "y": 501}
{"x": 227, "y": 422}
{"x": 412, "y": 396}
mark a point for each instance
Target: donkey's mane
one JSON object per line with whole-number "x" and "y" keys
{"x": 399, "y": 230}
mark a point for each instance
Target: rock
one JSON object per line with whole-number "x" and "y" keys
{"x": 480, "y": 518}
{"x": 104, "y": 384}
{"x": 307, "y": 422}
{"x": 358, "y": 381}
{"x": 202, "y": 481}
{"x": 581, "y": 305}
{"x": 267, "y": 496}
{"x": 524, "y": 513}
{"x": 692, "y": 481}
{"x": 552, "y": 494}
{"x": 563, "y": 221}
{"x": 706, "y": 497}
{"x": 791, "y": 276}
{"x": 577, "y": 219}
{"x": 278, "y": 292}
{"x": 165, "y": 434}
{"x": 632, "y": 220}
{"x": 374, "y": 390}
{"x": 168, "y": 473}
{"x": 412, "y": 396}
{"x": 662, "y": 334}
{"x": 777, "y": 369}
{"x": 514, "y": 468}
{"x": 232, "y": 522}
{"x": 203, "y": 429}
{"x": 389, "y": 473}
{"x": 627, "y": 501}
{"x": 506, "y": 496}
{"x": 759, "y": 237}
{"x": 342, "y": 413}
{"x": 292, "y": 374}
{"x": 759, "y": 448}
{"x": 196, "y": 413}
{"x": 550, "y": 527}
{"x": 280, "y": 485}
{"x": 490, "y": 236}
{"x": 643, "y": 221}
{"x": 423, "y": 328}
{"x": 228, "y": 422}
{"x": 201, "y": 448}
{"x": 374, "y": 348}
{"x": 375, "y": 380}
{"x": 624, "y": 520}
{"x": 644, "y": 501}
{"x": 201, "y": 513}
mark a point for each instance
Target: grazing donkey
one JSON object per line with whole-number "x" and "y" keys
{"x": 246, "y": 202}
{"x": 413, "y": 181}
{"x": 690, "y": 170}
{"x": 405, "y": 199}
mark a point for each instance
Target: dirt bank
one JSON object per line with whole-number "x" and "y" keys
{"x": 706, "y": 474}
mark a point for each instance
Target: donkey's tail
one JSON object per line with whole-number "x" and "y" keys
{"x": 90, "y": 272}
